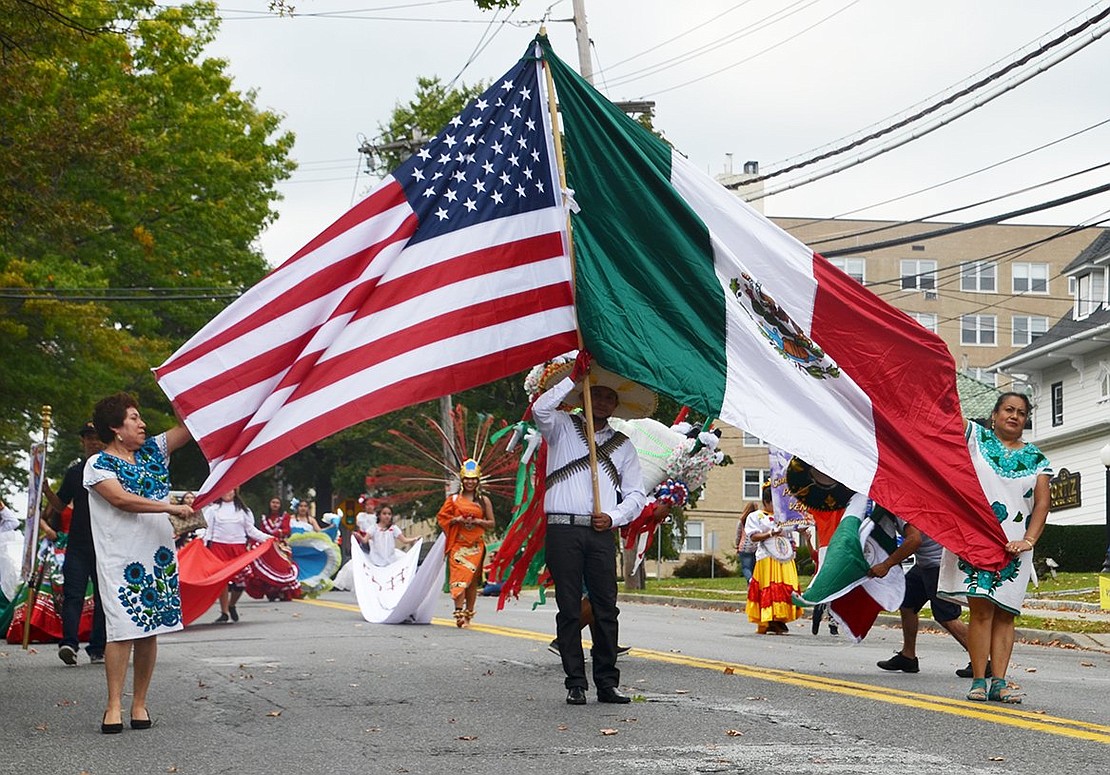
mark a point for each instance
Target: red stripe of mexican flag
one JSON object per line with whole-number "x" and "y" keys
{"x": 686, "y": 289}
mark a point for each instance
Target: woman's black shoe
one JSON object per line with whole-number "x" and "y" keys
{"x": 110, "y": 729}
{"x": 234, "y": 614}
{"x": 221, "y": 619}
{"x": 142, "y": 723}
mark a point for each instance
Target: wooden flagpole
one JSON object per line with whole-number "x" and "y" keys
{"x": 587, "y": 402}
{"x": 34, "y": 578}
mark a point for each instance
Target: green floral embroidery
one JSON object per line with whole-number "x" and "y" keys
{"x": 1000, "y": 512}
{"x": 988, "y": 580}
{"x": 152, "y": 599}
{"x": 1011, "y": 463}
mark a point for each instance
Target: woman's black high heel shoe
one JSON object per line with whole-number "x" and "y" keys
{"x": 110, "y": 729}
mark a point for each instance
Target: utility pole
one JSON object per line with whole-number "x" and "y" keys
{"x": 585, "y": 62}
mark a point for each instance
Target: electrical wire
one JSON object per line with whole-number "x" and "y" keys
{"x": 980, "y": 203}
{"x": 958, "y": 178}
{"x": 973, "y": 224}
{"x": 949, "y": 100}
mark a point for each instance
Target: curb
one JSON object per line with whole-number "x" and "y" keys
{"x": 1073, "y": 640}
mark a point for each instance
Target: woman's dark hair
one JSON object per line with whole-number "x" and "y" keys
{"x": 110, "y": 413}
{"x": 1011, "y": 394}
{"x": 765, "y": 492}
{"x": 239, "y": 505}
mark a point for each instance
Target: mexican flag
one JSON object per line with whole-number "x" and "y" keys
{"x": 686, "y": 289}
{"x": 854, "y": 598}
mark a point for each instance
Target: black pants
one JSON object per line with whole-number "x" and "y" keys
{"x": 79, "y": 567}
{"x": 577, "y": 555}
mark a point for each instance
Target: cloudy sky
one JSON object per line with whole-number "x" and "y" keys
{"x": 764, "y": 80}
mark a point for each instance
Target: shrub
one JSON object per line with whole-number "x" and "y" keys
{"x": 698, "y": 567}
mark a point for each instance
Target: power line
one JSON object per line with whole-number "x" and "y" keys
{"x": 980, "y": 203}
{"x": 971, "y": 225}
{"x": 958, "y": 178}
{"x": 949, "y": 100}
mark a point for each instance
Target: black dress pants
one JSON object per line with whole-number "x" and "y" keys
{"x": 79, "y": 567}
{"x": 578, "y": 555}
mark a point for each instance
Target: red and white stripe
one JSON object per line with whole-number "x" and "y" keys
{"x": 358, "y": 323}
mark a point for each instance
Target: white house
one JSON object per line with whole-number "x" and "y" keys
{"x": 1068, "y": 371}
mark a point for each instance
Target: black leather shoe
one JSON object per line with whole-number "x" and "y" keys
{"x": 142, "y": 723}
{"x": 576, "y": 695}
{"x": 234, "y": 614}
{"x": 612, "y": 695}
{"x": 110, "y": 729}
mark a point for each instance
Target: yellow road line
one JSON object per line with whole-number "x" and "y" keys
{"x": 994, "y": 713}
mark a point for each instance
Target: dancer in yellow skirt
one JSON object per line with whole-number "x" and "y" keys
{"x": 775, "y": 578}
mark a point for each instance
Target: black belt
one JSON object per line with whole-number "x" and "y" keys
{"x": 582, "y": 520}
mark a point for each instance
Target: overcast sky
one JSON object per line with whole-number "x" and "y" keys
{"x": 794, "y": 78}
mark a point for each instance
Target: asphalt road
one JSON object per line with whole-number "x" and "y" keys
{"x": 309, "y": 687}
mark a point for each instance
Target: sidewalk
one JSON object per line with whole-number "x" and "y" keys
{"x": 1036, "y": 606}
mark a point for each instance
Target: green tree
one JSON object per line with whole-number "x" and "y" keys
{"x": 415, "y": 122}
{"x": 127, "y": 160}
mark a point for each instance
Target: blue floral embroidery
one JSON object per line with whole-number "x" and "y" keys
{"x": 999, "y": 510}
{"x": 152, "y": 599}
{"x": 148, "y": 476}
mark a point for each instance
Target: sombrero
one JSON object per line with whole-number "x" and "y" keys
{"x": 814, "y": 489}
{"x": 635, "y": 400}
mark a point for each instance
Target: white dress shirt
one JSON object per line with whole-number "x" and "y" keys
{"x": 574, "y": 495}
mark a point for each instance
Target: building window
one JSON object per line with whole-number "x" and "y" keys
{"x": 918, "y": 275}
{"x": 856, "y": 268}
{"x": 1030, "y": 278}
{"x": 1090, "y": 293}
{"x": 1104, "y": 384}
{"x": 978, "y": 277}
{"x": 977, "y": 330}
{"x": 1057, "y": 403}
{"x": 926, "y": 319}
{"x": 984, "y": 375}
{"x": 753, "y": 482}
{"x": 695, "y": 538}
{"x": 751, "y": 440}
{"x": 1027, "y": 328}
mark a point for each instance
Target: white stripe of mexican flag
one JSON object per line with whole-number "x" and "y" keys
{"x": 686, "y": 289}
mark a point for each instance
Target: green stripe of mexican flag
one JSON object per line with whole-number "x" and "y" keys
{"x": 684, "y": 288}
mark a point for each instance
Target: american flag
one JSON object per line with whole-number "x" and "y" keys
{"x": 452, "y": 273}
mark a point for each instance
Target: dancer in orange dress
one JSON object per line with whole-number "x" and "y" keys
{"x": 464, "y": 518}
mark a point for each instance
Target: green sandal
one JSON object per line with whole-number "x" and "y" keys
{"x": 978, "y": 691}
{"x": 1001, "y": 691}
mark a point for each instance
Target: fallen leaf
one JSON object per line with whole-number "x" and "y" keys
{"x": 755, "y": 699}
{"x": 730, "y": 671}
{"x": 562, "y": 727}
{"x": 681, "y": 691}
{"x": 353, "y": 686}
{"x": 997, "y": 759}
{"x": 41, "y": 727}
{"x": 1086, "y": 664}
{"x": 734, "y": 733}
{"x": 330, "y": 660}
{"x": 608, "y": 732}
{"x": 467, "y": 737}
{"x": 172, "y": 768}
{"x": 65, "y": 703}
{"x": 1030, "y": 669}
{"x": 274, "y": 713}
{"x": 374, "y": 729}
{"x": 628, "y": 721}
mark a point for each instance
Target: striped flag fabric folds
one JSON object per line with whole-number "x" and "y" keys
{"x": 452, "y": 273}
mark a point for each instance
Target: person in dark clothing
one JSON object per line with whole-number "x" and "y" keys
{"x": 80, "y": 560}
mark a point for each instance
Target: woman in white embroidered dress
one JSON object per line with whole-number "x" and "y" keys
{"x": 136, "y": 564}
{"x": 1014, "y": 476}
